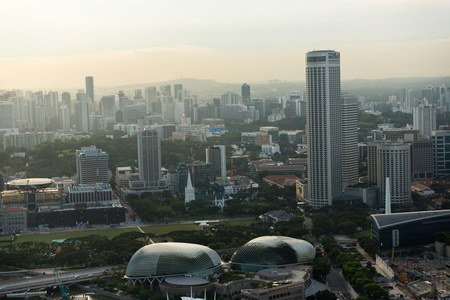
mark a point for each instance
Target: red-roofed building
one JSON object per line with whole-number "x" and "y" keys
{"x": 421, "y": 189}
{"x": 281, "y": 180}
{"x": 438, "y": 202}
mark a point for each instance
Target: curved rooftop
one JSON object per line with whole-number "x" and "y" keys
{"x": 30, "y": 183}
{"x": 272, "y": 251}
{"x": 387, "y": 220}
{"x": 172, "y": 259}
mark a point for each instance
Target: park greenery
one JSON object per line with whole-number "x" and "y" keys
{"x": 360, "y": 277}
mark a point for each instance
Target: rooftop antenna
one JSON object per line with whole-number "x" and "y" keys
{"x": 387, "y": 203}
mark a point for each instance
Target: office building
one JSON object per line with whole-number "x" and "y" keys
{"x": 422, "y": 159}
{"x": 216, "y": 155}
{"x": 64, "y": 118}
{"x": 441, "y": 139}
{"x": 246, "y": 97}
{"x": 323, "y": 122}
{"x": 349, "y": 112}
{"x": 90, "y": 89}
{"x": 424, "y": 119}
{"x": 108, "y": 106}
{"x": 82, "y": 113}
{"x": 92, "y": 165}
{"x": 178, "y": 92}
{"x": 149, "y": 156}
{"x": 390, "y": 159}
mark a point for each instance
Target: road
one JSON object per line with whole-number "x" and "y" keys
{"x": 49, "y": 279}
{"x": 336, "y": 282}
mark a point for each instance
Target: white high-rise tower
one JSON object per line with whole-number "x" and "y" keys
{"x": 323, "y": 120}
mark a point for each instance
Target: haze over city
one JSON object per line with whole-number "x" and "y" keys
{"x": 52, "y": 44}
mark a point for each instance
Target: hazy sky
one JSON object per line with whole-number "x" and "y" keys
{"x": 53, "y": 44}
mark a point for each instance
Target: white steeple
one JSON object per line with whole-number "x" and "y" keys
{"x": 189, "y": 193}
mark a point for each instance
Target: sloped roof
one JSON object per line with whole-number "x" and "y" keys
{"x": 388, "y": 220}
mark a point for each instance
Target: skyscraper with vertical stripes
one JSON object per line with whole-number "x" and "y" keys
{"x": 323, "y": 120}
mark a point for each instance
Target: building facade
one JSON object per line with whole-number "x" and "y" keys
{"x": 92, "y": 165}
{"x": 349, "y": 112}
{"x": 323, "y": 122}
{"x": 149, "y": 156}
{"x": 390, "y": 159}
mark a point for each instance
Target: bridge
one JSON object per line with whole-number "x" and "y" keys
{"x": 49, "y": 280}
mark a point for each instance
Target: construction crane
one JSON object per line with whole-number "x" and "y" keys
{"x": 64, "y": 293}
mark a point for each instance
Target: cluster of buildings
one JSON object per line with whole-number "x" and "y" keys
{"x": 402, "y": 155}
{"x": 85, "y": 200}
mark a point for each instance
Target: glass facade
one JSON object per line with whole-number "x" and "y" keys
{"x": 271, "y": 251}
{"x": 166, "y": 259}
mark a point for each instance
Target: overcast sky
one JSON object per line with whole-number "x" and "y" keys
{"x": 53, "y": 44}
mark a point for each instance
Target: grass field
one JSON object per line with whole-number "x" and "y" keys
{"x": 157, "y": 230}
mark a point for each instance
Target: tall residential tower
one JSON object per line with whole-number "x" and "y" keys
{"x": 323, "y": 120}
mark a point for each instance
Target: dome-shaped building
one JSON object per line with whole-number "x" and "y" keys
{"x": 157, "y": 261}
{"x": 272, "y": 252}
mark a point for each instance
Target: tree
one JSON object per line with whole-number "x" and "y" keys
{"x": 375, "y": 291}
{"x": 325, "y": 295}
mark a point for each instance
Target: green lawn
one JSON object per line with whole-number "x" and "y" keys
{"x": 157, "y": 230}
{"x": 163, "y": 229}
{"x": 49, "y": 236}
{"x": 367, "y": 233}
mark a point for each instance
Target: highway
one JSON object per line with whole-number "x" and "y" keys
{"x": 49, "y": 279}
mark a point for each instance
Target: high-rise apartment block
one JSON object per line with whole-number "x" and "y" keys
{"x": 349, "y": 113}
{"x": 323, "y": 119}
{"x": 390, "y": 159}
{"x": 92, "y": 165}
{"x": 424, "y": 119}
{"x": 149, "y": 156}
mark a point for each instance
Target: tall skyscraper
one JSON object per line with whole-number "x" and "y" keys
{"x": 92, "y": 165}
{"x": 150, "y": 97}
{"x": 178, "y": 91}
{"x": 82, "y": 113}
{"x": 108, "y": 106}
{"x": 246, "y": 97}
{"x": 424, "y": 119}
{"x": 323, "y": 119}
{"x": 216, "y": 155}
{"x": 149, "y": 156}
{"x": 349, "y": 114}
{"x": 90, "y": 90}
{"x": 64, "y": 118}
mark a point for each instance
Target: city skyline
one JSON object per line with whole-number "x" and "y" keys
{"x": 51, "y": 44}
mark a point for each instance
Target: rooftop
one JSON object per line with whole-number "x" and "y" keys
{"x": 387, "y": 220}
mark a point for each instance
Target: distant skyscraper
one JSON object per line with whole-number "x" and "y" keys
{"x": 64, "y": 117}
{"x": 403, "y": 97}
{"x": 92, "y": 165}
{"x": 108, "y": 106}
{"x": 150, "y": 97}
{"x": 216, "y": 155}
{"x": 90, "y": 89}
{"x": 246, "y": 97}
{"x": 424, "y": 119}
{"x": 178, "y": 91}
{"x": 82, "y": 113}
{"x": 349, "y": 113}
{"x": 149, "y": 156}
{"x": 7, "y": 115}
{"x": 323, "y": 119}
